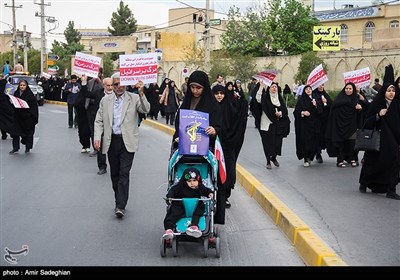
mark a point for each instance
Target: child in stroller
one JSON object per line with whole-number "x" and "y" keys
{"x": 189, "y": 186}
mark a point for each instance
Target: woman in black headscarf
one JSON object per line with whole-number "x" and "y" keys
{"x": 274, "y": 123}
{"x": 199, "y": 98}
{"x": 307, "y": 124}
{"x": 342, "y": 126}
{"x": 380, "y": 171}
{"x": 25, "y": 120}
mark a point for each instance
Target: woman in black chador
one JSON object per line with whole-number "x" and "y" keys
{"x": 25, "y": 120}
{"x": 307, "y": 123}
{"x": 342, "y": 126}
{"x": 380, "y": 171}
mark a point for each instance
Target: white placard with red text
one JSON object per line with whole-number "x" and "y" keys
{"x": 317, "y": 77}
{"x": 18, "y": 102}
{"x": 266, "y": 76}
{"x": 86, "y": 64}
{"x": 138, "y": 67}
{"x": 360, "y": 77}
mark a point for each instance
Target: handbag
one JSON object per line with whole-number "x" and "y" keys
{"x": 368, "y": 140}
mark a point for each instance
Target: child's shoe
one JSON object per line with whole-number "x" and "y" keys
{"x": 168, "y": 235}
{"x": 193, "y": 231}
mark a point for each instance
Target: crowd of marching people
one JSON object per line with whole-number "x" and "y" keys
{"x": 320, "y": 122}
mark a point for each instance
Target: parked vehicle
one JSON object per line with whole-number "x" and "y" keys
{"x": 35, "y": 87}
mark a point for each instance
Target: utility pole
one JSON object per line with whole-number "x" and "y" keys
{"x": 14, "y": 39}
{"x": 43, "y": 64}
{"x": 207, "y": 38}
{"x": 25, "y": 50}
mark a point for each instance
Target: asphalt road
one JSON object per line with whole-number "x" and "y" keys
{"x": 53, "y": 201}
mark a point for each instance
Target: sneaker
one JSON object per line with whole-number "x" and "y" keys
{"x": 306, "y": 164}
{"x": 168, "y": 235}
{"x": 193, "y": 231}
{"x": 83, "y": 150}
{"x": 93, "y": 154}
{"x": 227, "y": 204}
{"x": 87, "y": 150}
{"x": 13, "y": 151}
{"x": 101, "y": 171}
{"x": 119, "y": 213}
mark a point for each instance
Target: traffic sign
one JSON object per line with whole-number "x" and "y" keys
{"x": 215, "y": 21}
{"x": 326, "y": 38}
{"x": 51, "y": 62}
{"x": 52, "y": 56}
{"x": 55, "y": 67}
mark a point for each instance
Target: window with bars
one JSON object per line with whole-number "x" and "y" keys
{"x": 394, "y": 24}
{"x": 369, "y": 26}
{"x": 343, "y": 33}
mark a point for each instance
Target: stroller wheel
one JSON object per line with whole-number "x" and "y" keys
{"x": 163, "y": 248}
{"x": 217, "y": 247}
{"x": 175, "y": 247}
{"x": 205, "y": 247}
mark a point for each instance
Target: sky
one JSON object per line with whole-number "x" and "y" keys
{"x": 97, "y": 13}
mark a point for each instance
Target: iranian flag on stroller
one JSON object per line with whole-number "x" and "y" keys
{"x": 219, "y": 154}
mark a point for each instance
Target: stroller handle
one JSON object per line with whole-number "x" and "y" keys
{"x": 181, "y": 199}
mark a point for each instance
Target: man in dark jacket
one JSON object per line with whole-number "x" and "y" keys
{"x": 95, "y": 97}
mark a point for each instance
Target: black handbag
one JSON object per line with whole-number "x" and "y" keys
{"x": 368, "y": 140}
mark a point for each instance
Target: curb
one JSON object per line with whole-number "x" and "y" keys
{"x": 55, "y": 102}
{"x": 309, "y": 246}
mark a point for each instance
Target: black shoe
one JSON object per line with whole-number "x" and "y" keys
{"x": 3, "y": 137}
{"x": 101, "y": 171}
{"x": 227, "y": 204}
{"x": 319, "y": 159}
{"x": 13, "y": 151}
{"x": 393, "y": 195}
{"x": 120, "y": 213}
{"x": 27, "y": 150}
{"x": 276, "y": 163}
{"x": 362, "y": 189}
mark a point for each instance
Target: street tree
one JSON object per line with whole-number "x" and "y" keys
{"x": 66, "y": 50}
{"x": 308, "y": 62}
{"x": 276, "y": 27}
{"x": 123, "y": 23}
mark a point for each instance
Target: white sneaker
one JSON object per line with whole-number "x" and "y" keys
{"x": 168, "y": 235}
{"x": 193, "y": 231}
{"x": 83, "y": 150}
{"x": 87, "y": 150}
{"x": 306, "y": 164}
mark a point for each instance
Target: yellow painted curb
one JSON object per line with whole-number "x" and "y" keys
{"x": 159, "y": 126}
{"x": 56, "y": 102}
{"x": 310, "y": 247}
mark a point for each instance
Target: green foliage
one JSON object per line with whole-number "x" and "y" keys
{"x": 290, "y": 100}
{"x": 34, "y": 61}
{"x": 123, "y": 22}
{"x": 281, "y": 26}
{"x": 66, "y": 50}
{"x": 293, "y": 34}
{"x": 219, "y": 67}
{"x": 72, "y": 36}
{"x": 308, "y": 62}
{"x": 243, "y": 67}
{"x": 107, "y": 65}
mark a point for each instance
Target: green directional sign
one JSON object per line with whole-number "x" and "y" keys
{"x": 215, "y": 21}
{"x": 326, "y": 38}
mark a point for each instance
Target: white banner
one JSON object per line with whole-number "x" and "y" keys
{"x": 138, "y": 67}
{"x": 266, "y": 76}
{"x": 317, "y": 77}
{"x": 360, "y": 78}
{"x": 86, "y": 64}
{"x": 46, "y": 75}
{"x": 18, "y": 102}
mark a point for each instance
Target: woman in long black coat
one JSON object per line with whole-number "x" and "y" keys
{"x": 307, "y": 123}
{"x": 25, "y": 120}
{"x": 380, "y": 171}
{"x": 342, "y": 126}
